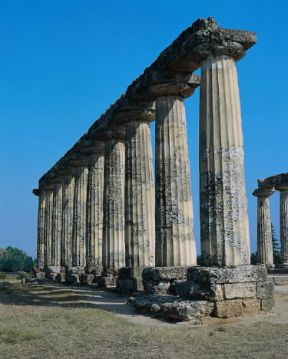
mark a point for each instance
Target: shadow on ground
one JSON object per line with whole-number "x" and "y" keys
{"x": 56, "y": 295}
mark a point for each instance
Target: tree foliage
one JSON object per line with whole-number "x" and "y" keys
{"x": 13, "y": 259}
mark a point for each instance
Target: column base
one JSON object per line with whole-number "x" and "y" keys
{"x": 52, "y": 272}
{"x": 209, "y": 291}
{"x": 129, "y": 280}
{"x": 107, "y": 280}
{"x": 74, "y": 275}
{"x": 91, "y": 275}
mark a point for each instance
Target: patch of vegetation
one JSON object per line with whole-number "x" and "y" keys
{"x": 3, "y": 276}
{"x": 13, "y": 259}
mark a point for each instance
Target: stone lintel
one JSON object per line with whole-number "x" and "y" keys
{"x": 279, "y": 180}
{"x": 112, "y": 133}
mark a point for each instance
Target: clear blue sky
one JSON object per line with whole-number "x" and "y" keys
{"x": 63, "y": 62}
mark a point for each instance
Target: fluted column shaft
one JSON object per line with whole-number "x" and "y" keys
{"x": 95, "y": 212}
{"x": 139, "y": 197}
{"x": 284, "y": 225}
{"x": 175, "y": 244}
{"x": 67, "y": 221}
{"x": 264, "y": 231}
{"x": 56, "y": 226}
{"x": 114, "y": 218}
{"x": 79, "y": 218}
{"x": 223, "y": 203}
{"x": 48, "y": 228}
{"x": 41, "y": 230}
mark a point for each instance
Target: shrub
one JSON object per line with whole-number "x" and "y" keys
{"x": 2, "y": 275}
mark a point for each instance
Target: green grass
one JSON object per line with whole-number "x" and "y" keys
{"x": 45, "y": 331}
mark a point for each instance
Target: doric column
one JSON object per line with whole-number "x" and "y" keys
{"x": 56, "y": 227}
{"x": 41, "y": 228}
{"x": 48, "y": 227}
{"x": 175, "y": 244}
{"x": 114, "y": 218}
{"x": 284, "y": 223}
{"x": 67, "y": 220}
{"x": 95, "y": 213}
{"x": 79, "y": 218}
{"x": 264, "y": 230}
{"x": 223, "y": 203}
{"x": 139, "y": 196}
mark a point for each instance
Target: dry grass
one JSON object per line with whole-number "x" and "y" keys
{"x": 46, "y": 329}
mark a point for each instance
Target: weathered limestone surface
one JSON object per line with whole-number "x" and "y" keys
{"x": 41, "y": 230}
{"x": 284, "y": 224}
{"x": 223, "y": 208}
{"x": 264, "y": 230}
{"x": 67, "y": 220}
{"x": 160, "y": 280}
{"x": 175, "y": 244}
{"x": 114, "y": 217}
{"x": 48, "y": 227}
{"x": 230, "y": 275}
{"x": 173, "y": 308}
{"x": 219, "y": 292}
{"x": 95, "y": 213}
{"x": 56, "y": 227}
{"x": 79, "y": 218}
{"x": 139, "y": 196}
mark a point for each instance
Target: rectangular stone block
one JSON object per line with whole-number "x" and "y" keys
{"x": 164, "y": 273}
{"x": 215, "y": 275}
{"x": 280, "y": 279}
{"x": 239, "y": 290}
{"x": 197, "y": 291}
{"x": 265, "y": 290}
{"x": 267, "y": 304}
{"x": 251, "y": 305}
{"x": 228, "y": 308}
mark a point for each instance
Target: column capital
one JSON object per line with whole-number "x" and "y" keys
{"x": 182, "y": 84}
{"x": 282, "y": 188}
{"x": 134, "y": 111}
{"x": 209, "y": 39}
{"x": 264, "y": 192}
{"x": 78, "y": 160}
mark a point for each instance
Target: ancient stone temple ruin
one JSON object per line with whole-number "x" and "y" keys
{"x": 265, "y": 189}
{"x": 102, "y": 218}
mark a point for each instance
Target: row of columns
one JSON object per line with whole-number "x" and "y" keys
{"x": 108, "y": 214}
{"x": 264, "y": 226}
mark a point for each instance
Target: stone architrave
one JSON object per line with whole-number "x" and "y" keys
{"x": 48, "y": 228}
{"x": 67, "y": 220}
{"x": 284, "y": 224}
{"x": 139, "y": 196}
{"x": 41, "y": 230}
{"x": 95, "y": 213}
{"x": 79, "y": 218}
{"x": 223, "y": 202}
{"x": 175, "y": 244}
{"x": 264, "y": 229}
{"x": 56, "y": 227}
{"x": 113, "y": 211}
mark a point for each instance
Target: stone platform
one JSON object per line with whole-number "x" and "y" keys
{"x": 195, "y": 292}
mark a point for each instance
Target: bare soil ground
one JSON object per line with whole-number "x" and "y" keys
{"x": 53, "y": 321}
